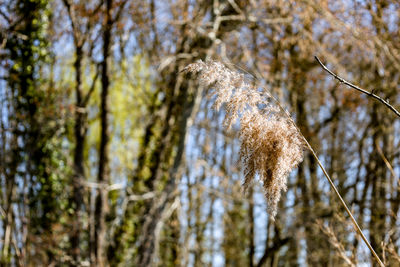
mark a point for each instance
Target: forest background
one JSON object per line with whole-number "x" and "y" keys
{"x": 110, "y": 155}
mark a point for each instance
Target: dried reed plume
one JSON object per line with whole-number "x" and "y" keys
{"x": 271, "y": 145}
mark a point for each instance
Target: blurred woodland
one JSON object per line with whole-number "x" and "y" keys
{"x": 110, "y": 155}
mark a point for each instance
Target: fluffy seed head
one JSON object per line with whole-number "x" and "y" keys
{"x": 271, "y": 145}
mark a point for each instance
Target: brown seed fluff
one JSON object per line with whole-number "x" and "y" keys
{"x": 271, "y": 145}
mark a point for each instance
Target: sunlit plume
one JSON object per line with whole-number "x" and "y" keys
{"x": 270, "y": 144}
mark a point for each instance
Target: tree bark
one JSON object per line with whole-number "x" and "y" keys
{"x": 103, "y": 173}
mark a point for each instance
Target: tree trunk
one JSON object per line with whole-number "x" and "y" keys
{"x": 79, "y": 173}
{"x": 103, "y": 174}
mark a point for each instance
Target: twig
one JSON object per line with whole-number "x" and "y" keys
{"x": 166, "y": 213}
{"x": 388, "y": 165}
{"x": 371, "y": 94}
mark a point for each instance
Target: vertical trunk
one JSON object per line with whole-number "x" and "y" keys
{"x": 7, "y": 228}
{"x": 251, "y": 190}
{"x": 147, "y": 240}
{"x": 79, "y": 174}
{"x": 307, "y": 179}
{"x": 198, "y": 253}
{"x": 103, "y": 174}
{"x": 251, "y": 227}
{"x": 6, "y": 203}
{"x": 376, "y": 170}
{"x": 382, "y": 137}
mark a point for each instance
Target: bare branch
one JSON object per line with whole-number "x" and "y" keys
{"x": 5, "y": 17}
{"x": 92, "y": 87}
{"x": 388, "y": 165}
{"x": 371, "y": 94}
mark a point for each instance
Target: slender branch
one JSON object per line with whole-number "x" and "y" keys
{"x": 92, "y": 87}
{"x": 371, "y": 94}
{"x": 388, "y": 165}
{"x": 5, "y": 17}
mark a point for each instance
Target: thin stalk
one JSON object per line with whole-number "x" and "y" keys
{"x": 358, "y": 228}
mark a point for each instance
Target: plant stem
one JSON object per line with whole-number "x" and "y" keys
{"x": 358, "y": 228}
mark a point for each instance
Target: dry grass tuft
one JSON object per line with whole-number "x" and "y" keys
{"x": 271, "y": 145}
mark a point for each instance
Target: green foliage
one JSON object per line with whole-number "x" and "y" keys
{"x": 37, "y": 114}
{"x": 131, "y": 91}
